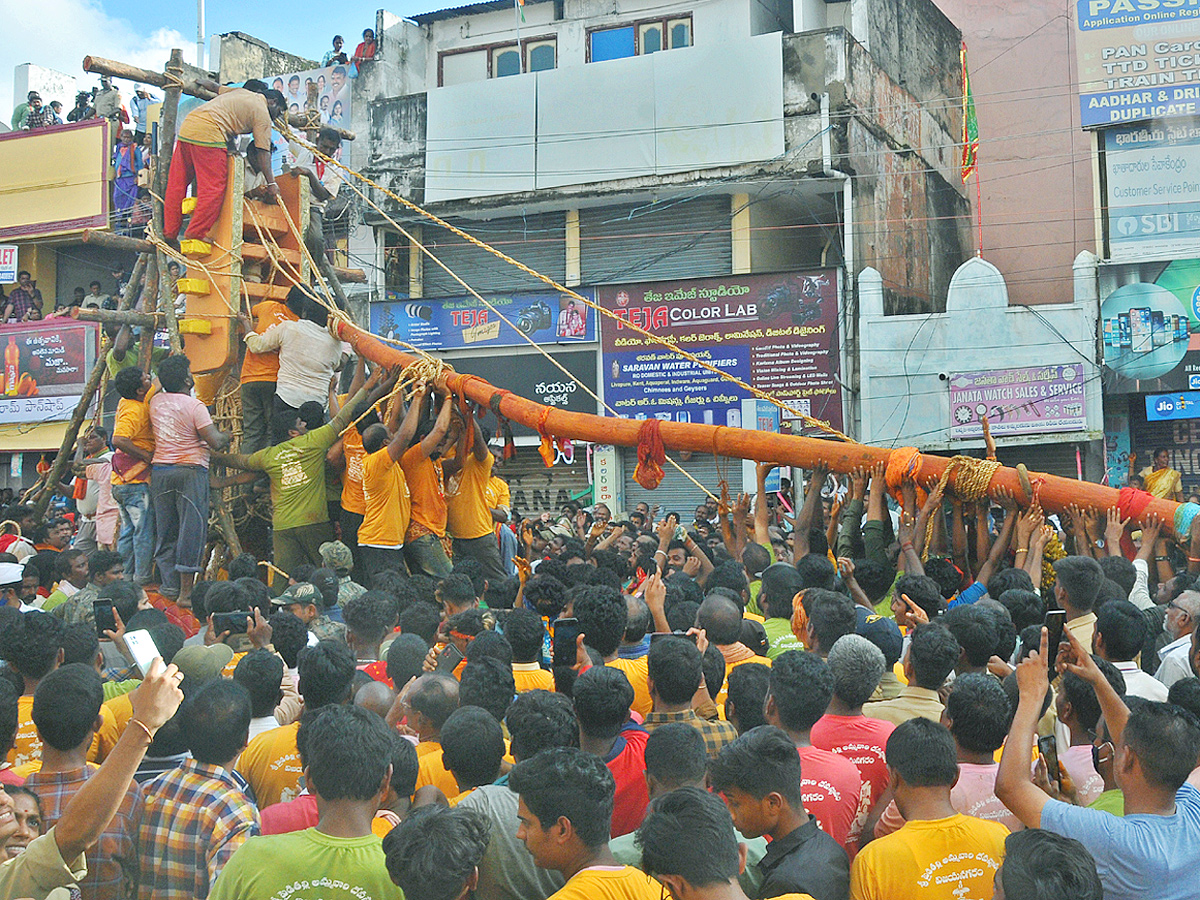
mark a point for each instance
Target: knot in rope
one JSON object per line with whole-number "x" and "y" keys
{"x": 651, "y": 455}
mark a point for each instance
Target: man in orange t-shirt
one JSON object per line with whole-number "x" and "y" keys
{"x": 468, "y": 513}
{"x": 423, "y": 472}
{"x": 386, "y": 501}
{"x": 259, "y": 373}
{"x": 133, "y": 439}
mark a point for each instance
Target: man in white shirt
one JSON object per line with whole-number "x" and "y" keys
{"x": 325, "y": 180}
{"x": 308, "y": 356}
{"x": 1182, "y": 615}
{"x": 1120, "y": 634}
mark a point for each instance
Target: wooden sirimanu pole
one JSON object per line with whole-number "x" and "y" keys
{"x": 1055, "y": 493}
{"x": 193, "y": 88}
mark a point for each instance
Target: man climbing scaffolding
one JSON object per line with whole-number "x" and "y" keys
{"x": 202, "y": 149}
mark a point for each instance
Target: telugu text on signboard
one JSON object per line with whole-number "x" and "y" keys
{"x": 1037, "y": 400}
{"x": 777, "y": 333}
{"x": 1137, "y": 60}
{"x": 45, "y": 367}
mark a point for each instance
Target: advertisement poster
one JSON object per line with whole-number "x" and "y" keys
{"x": 1153, "y": 178}
{"x": 45, "y": 369}
{"x": 333, "y": 92}
{"x": 8, "y": 264}
{"x": 452, "y": 323}
{"x": 777, "y": 333}
{"x": 1140, "y": 355}
{"x": 1137, "y": 60}
{"x": 534, "y": 377}
{"x": 1038, "y": 400}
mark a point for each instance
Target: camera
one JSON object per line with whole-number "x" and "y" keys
{"x": 534, "y": 317}
{"x": 418, "y": 311}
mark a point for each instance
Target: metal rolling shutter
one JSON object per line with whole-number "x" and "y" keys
{"x": 1053, "y": 459}
{"x": 534, "y": 489}
{"x": 676, "y": 493}
{"x": 688, "y": 239}
{"x": 538, "y": 241}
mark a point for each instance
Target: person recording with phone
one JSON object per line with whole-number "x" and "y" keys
{"x": 1154, "y": 851}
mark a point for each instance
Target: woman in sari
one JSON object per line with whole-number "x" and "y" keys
{"x": 1160, "y": 479}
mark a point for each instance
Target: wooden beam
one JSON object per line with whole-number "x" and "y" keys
{"x": 117, "y": 317}
{"x": 354, "y": 276}
{"x": 110, "y": 241}
{"x": 193, "y": 88}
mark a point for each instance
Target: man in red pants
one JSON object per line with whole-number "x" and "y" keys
{"x": 201, "y": 154}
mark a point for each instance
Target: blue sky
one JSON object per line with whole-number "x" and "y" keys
{"x": 59, "y": 33}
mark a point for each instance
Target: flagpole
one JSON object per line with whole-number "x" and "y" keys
{"x": 518, "y": 13}
{"x": 979, "y": 209}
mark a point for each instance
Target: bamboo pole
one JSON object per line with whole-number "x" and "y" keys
{"x": 63, "y": 459}
{"x": 109, "y": 241}
{"x": 1055, "y": 493}
{"x": 166, "y": 136}
{"x": 193, "y": 88}
{"x": 117, "y": 317}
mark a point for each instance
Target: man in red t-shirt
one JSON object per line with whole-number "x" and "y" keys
{"x": 833, "y": 790}
{"x": 603, "y": 696}
{"x": 856, "y": 665}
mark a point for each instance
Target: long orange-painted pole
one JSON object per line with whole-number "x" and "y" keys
{"x": 1055, "y": 493}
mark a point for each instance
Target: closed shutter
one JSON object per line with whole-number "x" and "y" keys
{"x": 676, "y": 492}
{"x": 689, "y": 239}
{"x": 1053, "y": 459}
{"x": 534, "y": 489}
{"x": 538, "y": 241}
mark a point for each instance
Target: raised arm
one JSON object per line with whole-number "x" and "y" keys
{"x": 762, "y": 513}
{"x": 808, "y": 513}
{"x": 1014, "y": 787}
{"x": 430, "y": 442}
{"x": 958, "y": 535}
{"x": 1000, "y": 545}
{"x": 88, "y": 814}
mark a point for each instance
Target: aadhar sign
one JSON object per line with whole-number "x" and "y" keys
{"x": 1137, "y": 60}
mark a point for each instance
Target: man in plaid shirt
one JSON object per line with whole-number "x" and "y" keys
{"x": 66, "y": 706}
{"x": 676, "y": 672}
{"x": 21, "y": 298}
{"x": 197, "y": 814}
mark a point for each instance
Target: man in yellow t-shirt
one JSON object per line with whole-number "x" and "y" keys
{"x": 133, "y": 440}
{"x": 386, "y": 500}
{"x": 702, "y": 869}
{"x": 939, "y": 854}
{"x": 468, "y": 513}
{"x": 564, "y": 807}
{"x": 271, "y": 762}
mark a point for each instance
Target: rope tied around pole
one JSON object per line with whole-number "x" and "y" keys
{"x": 971, "y": 479}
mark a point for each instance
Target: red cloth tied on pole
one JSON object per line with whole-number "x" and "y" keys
{"x": 651, "y": 455}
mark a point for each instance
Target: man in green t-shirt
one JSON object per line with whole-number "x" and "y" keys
{"x": 348, "y": 754}
{"x": 296, "y": 467}
{"x": 123, "y": 354}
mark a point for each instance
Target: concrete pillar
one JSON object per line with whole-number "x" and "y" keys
{"x": 740, "y": 233}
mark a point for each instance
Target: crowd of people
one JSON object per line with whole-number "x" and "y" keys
{"x": 854, "y": 696}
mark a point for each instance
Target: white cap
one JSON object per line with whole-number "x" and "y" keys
{"x": 11, "y": 573}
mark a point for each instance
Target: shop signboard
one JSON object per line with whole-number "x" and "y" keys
{"x": 1137, "y": 60}
{"x": 45, "y": 368}
{"x": 451, "y": 323}
{"x": 1037, "y": 400}
{"x": 777, "y": 333}
{"x": 536, "y": 378}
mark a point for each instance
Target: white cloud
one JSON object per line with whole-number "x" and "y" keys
{"x": 58, "y": 34}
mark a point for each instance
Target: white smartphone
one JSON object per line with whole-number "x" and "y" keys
{"x": 141, "y": 645}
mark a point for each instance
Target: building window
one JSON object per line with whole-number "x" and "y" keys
{"x": 497, "y": 61}
{"x": 612, "y": 43}
{"x": 639, "y": 39}
{"x": 540, "y": 56}
{"x": 395, "y": 262}
{"x": 505, "y": 61}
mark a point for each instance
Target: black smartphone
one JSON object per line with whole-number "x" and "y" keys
{"x": 450, "y": 657}
{"x": 659, "y": 635}
{"x": 566, "y": 632}
{"x": 106, "y": 620}
{"x": 1056, "y": 619}
{"x": 1048, "y": 750}
{"x": 233, "y": 622}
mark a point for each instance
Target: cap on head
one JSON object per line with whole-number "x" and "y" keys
{"x": 303, "y": 593}
{"x": 201, "y": 664}
{"x": 337, "y": 556}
